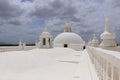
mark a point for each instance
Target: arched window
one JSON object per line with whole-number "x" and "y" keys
{"x": 84, "y": 47}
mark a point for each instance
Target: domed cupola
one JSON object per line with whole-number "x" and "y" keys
{"x": 94, "y": 42}
{"x": 107, "y": 36}
{"x": 45, "y": 33}
{"x": 69, "y": 39}
{"x": 46, "y": 39}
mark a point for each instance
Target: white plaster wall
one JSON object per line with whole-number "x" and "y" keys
{"x": 77, "y": 47}
{"x": 58, "y": 45}
{"x": 15, "y": 48}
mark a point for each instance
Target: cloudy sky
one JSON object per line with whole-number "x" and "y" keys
{"x": 26, "y": 19}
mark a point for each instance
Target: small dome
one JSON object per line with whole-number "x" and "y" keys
{"x": 107, "y": 35}
{"x": 45, "y": 33}
{"x": 68, "y": 38}
{"x": 94, "y": 41}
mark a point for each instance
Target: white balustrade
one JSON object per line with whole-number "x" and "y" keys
{"x": 107, "y": 66}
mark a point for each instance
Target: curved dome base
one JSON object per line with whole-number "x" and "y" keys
{"x": 77, "y": 47}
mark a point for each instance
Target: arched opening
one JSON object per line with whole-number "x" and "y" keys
{"x": 49, "y": 41}
{"x": 84, "y": 47}
{"x": 44, "y": 41}
{"x": 65, "y": 45}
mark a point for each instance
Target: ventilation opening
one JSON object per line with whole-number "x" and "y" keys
{"x": 65, "y": 45}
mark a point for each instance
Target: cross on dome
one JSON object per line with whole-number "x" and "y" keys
{"x": 45, "y": 29}
{"x": 67, "y": 27}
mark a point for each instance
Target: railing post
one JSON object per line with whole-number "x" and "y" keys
{"x": 119, "y": 74}
{"x": 95, "y": 60}
{"x": 106, "y": 72}
{"x": 103, "y": 70}
{"x": 100, "y": 65}
{"x": 112, "y": 72}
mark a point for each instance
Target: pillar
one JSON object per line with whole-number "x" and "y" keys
{"x": 103, "y": 69}
{"x": 106, "y": 72}
{"x": 119, "y": 74}
{"x": 47, "y": 44}
{"x": 112, "y": 72}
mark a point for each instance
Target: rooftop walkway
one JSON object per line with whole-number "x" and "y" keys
{"x": 46, "y": 64}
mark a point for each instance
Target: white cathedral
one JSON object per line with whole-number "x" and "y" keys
{"x": 63, "y": 58}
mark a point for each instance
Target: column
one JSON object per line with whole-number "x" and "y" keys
{"x": 47, "y": 44}
{"x": 95, "y": 60}
{"x": 92, "y": 57}
{"x": 119, "y": 74}
{"x": 101, "y": 65}
{"x": 106, "y": 72}
{"x": 104, "y": 69}
{"x": 112, "y": 72}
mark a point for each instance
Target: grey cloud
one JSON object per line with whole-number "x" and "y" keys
{"x": 59, "y": 9}
{"x": 55, "y": 9}
{"x": 56, "y": 4}
{"x": 91, "y": 9}
{"x": 116, "y": 3}
{"x": 75, "y": 19}
{"x": 44, "y": 13}
{"x": 8, "y": 11}
{"x": 15, "y": 22}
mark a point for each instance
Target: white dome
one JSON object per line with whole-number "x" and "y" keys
{"x": 107, "y": 35}
{"x": 68, "y": 38}
{"x": 95, "y": 41}
{"x": 45, "y": 34}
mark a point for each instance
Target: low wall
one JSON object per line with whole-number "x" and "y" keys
{"x": 15, "y": 48}
{"x": 113, "y": 48}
